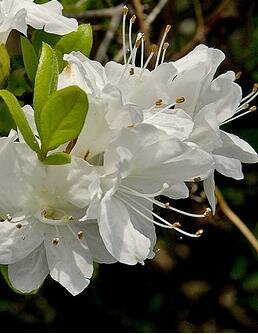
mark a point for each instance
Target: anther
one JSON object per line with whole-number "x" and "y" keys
{"x": 159, "y": 102}
{"x": 253, "y": 108}
{"x": 19, "y": 226}
{"x": 9, "y": 217}
{"x": 154, "y": 48}
{"x": 133, "y": 18}
{"x": 238, "y": 75}
{"x": 176, "y": 225}
{"x": 199, "y": 233}
{"x": 131, "y": 71}
{"x": 168, "y": 27}
{"x": 207, "y": 212}
{"x": 167, "y": 205}
{"x": 245, "y": 106}
{"x": 130, "y": 126}
{"x": 55, "y": 241}
{"x": 180, "y": 99}
{"x": 80, "y": 235}
{"x": 125, "y": 10}
{"x": 23, "y": 237}
{"x": 255, "y": 87}
{"x": 165, "y": 46}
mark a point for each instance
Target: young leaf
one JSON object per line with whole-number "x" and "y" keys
{"x": 80, "y": 40}
{"x": 30, "y": 58}
{"x": 20, "y": 119}
{"x": 62, "y": 118}
{"x": 59, "y": 158}
{"x": 4, "y": 272}
{"x": 46, "y": 79}
{"x": 4, "y": 65}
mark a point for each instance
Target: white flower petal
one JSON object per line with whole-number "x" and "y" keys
{"x": 120, "y": 237}
{"x": 235, "y": 147}
{"x": 17, "y": 243}
{"x": 29, "y": 274}
{"x": 95, "y": 243}
{"x": 229, "y": 167}
{"x": 209, "y": 189}
{"x": 69, "y": 262}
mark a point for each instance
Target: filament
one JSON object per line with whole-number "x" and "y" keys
{"x": 168, "y": 27}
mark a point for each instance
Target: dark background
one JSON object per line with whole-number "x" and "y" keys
{"x": 208, "y": 284}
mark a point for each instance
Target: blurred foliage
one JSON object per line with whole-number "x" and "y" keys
{"x": 204, "y": 285}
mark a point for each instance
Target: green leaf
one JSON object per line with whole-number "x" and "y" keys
{"x": 6, "y": 120}
{"x": 62, "y": 118}
{"x": 80, "y": 40}
{"x": 40, "y": 36}
{"x": 59, "y": 158}
{"x": 4, "y": 272}
{"x": 20, "y": 119}
{"x": 4, "y": 65}
{"x": 46, "y": 79}
{"x": 30, "y": 58}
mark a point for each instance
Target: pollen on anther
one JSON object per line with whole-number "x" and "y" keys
{"x": 159, "y": 102}
{"x": 125, "y": 10}
{"x": 199, "y": 233}
{"x": 238, "y": 75}
{"x": 55, "y": 241}
{"x": 207, "y": 212}
{"x": 133, "y": 18}
{"x": 180, "y": 99}
{"x": 19, "y": 226}
{"x": 253, "y": 108}
{"x": 167, "y": 205}
{"x": 255, "y": 87}
{"x": 131, "y": 71}
{"x": 165, "y": 46}
{"x": 175, "y": 225}
{"x": 9, "y": 217}
{"x": 168, "y": 27}
{"x": 80, "y": 235}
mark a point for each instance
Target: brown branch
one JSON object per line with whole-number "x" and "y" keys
{"x": 140, "y": 15}
{"x": 236, "y": 220}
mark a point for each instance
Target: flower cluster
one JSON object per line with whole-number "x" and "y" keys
{"x": 146, "y": 133}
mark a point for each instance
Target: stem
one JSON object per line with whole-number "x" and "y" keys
{"x": 236, "y": 220}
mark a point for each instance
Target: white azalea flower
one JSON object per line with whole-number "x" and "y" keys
{"x": 19, "y": 14}
{"x": 40, "y": 208}
{"x": 138, "y": 167}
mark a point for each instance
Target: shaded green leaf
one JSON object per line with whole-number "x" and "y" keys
{"x": 62, "y": 117}
{"x": 59, "y": 158}
{"x": 30, "y": 58}
{"x": 20, "y": 119}
{"x": 4, "y": 65}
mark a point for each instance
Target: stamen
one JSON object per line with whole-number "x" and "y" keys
{"x": 153, "y": 51}
{"x": 159, "y": 102}
{"x": 174, "y": 226}
{"x": 55, "y": 241}
{"x": 157, "y": 193}
{"x": 180, "y": 99}
{"x": 254, "y": 90}
{"x": 167, "y": 29}
{"x": 252, "y": 109}
{"x": 238, "y": 75}
{"x": 9, "y": 217}
{"x": 167, "y": 205}
{"x": 132, "y": 20}
{"x": 137, "y": 45}
{"x": 242, "y": 107}
{"x": 19, "y": 226}
{"x": 131, "y": 71}
{"x": 142, "y": 51}
{"x": 80, "y": 235}
{"x": 165, "y": 47}
{"x": 125, "y": 12}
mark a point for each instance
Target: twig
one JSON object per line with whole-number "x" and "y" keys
{"x": 236, "y": 220}
{"x": 155, "y": 12}
{"x": 139, "y": 13}
{"x": 101, "y": 54}
{"x": 104, "y": 12}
